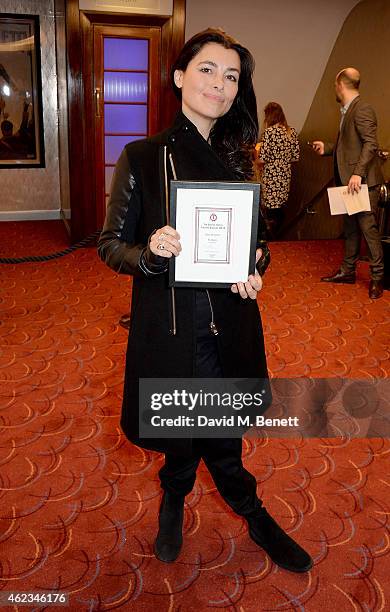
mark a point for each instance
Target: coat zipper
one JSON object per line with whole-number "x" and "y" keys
{"x": 213, "y": 327}
{"x": 173, "y": 329}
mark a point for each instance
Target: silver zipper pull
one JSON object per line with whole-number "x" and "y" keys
{"x": 213, "y": 328}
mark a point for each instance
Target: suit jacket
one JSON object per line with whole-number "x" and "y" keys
{"x": 355, "y": 151}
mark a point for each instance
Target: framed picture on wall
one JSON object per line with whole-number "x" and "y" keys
{"x": 21, "y": 121}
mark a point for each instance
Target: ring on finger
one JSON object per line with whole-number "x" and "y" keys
{"x": 160, "y": 247}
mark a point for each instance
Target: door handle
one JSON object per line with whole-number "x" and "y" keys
{"x": 97, "y": 101}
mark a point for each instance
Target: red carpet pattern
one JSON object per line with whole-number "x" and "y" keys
{"x": 79, "y": 503}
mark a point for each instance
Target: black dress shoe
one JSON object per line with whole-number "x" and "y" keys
{"x": 282, "y": 549}
{"x": 340, "y": 277}
{"x": 169, "y": 539}
{"x": 375, "y": 290}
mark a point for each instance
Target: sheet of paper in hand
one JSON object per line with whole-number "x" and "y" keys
{"x": 356, "y": 202}
{"x": 341, "y": 202}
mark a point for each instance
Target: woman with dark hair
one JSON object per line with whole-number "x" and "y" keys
{"x": 278, "y": 148}
{"x": 185, "y": 332}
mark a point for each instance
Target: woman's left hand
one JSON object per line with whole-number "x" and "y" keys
{"x": 252, "y": 285}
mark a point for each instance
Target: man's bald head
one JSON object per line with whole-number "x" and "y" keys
{"x": 349, "y": 77}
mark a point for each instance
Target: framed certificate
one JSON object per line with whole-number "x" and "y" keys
{"x": 217, "y": 223}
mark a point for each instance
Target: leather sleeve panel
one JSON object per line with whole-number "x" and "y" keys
{"x": 117, "y": 245}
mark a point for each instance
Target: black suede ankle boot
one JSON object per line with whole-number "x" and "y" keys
{"x": 169, "y": 539}
{"x": 282, "y": 549}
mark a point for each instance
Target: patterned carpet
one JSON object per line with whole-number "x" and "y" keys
{"x": 79, "y": 503}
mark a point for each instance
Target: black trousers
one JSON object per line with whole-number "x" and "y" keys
{"x": 274, "y": 218}
{"x": 221, "y": 456}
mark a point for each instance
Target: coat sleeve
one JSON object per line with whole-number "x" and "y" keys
{"x": 366, "y": 126}
{"x": 117, "y": 244}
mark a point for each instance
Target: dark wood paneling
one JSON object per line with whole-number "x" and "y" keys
{"x": 75, "y": 118}
{"x": 172, "y": 41}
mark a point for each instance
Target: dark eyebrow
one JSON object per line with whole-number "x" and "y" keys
{"x": 210, "y": 63}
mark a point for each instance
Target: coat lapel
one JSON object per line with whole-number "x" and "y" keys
{"x": 194, "y": 158}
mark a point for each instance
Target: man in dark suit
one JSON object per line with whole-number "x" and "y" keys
{"x": 356, "y": 162}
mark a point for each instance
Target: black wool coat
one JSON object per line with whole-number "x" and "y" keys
{"x": 137, "y": 207}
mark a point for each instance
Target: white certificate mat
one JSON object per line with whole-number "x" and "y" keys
{"x": 217, "y": 223}
{"x": 213, "y": 233}
{"x": 341, "y": 202}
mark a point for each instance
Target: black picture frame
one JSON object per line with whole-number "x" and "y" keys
{"x": 252, "y": 228}
{"x": 21, "y": 115}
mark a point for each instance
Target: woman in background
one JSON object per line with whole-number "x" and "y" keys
{"x": 279, "y": 147}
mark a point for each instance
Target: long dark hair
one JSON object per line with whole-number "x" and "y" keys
{"x": 234, "y": 135}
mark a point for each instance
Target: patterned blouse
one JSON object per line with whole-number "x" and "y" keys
{"x": 278, "y": 150}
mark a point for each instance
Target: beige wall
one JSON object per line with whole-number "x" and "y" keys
{"x": 290, "y": 39}
{"x": 35, "y": 192}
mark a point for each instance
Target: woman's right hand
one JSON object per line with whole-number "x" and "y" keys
{"x": 165, "y": 242}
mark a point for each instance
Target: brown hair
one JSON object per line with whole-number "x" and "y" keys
{"x": 273, "y": 113}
